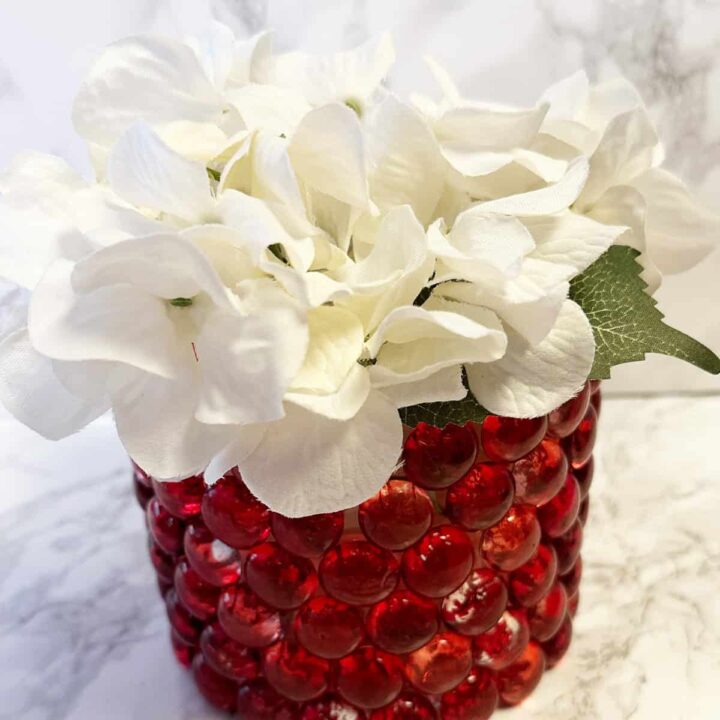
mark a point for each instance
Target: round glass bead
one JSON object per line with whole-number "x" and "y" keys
{"x": 217, "y": 689}
{"x": 258, "y": 701}
{"x": 294, "y": 672}
{"x": 477, "y": 604}
{"x": 282, "y": 580}
{"x": 584, "y": 511}
{"x": 214, "y": 561}
{"x": 533, "y": 580}
{"x": 181, "y": 621}
{"x": 435, "y": 458}
{"x": 518, "y": 680}
{"x": 183, "y": 650}
{"x": 571, "y": 579}
{"x": 596, "y": 402}
{"x": 233, "y": 514}
{"x": 330, "y": 708}
{"x": 557, "y": 515}
{"x": 329, "y": 628}
{"x": 580, "y": 444}
{"x": 440, "y": 665}
{"x": 403, "y": 622}
{"x": 506, "y": 439}
{"x": 557, "y": 646}
{"x": 308, "y": 536}
{"x": 546, "y": 617}
{"x": 397, "y": 516}
{"x": 166, "y": 529}
{"x": 584, "y": 476}
{"x": 504, "y": 643}
{"x": 359, "y": 572}
{"x": 574, "y": 604}
{"x": 480, "y": 498}
{"x": 198, "y": 597}
{"x": 475, "y": 698}
{"x": 181, "y": 498}
{"x": 369, "y": 678}
{"x": 540, "y": 474}
{"x": 143, "y": 492}
{"x": 163, "y": 563}
{"x": 409, "y": 706}
{"x": 227, "y": 657}
{"x": 439, "y": 563}
{"x": 563, "y": 420}
{"x": 514, "y": 540}
{"x": 568, "y": 547}
{"x": 247, "y": 619}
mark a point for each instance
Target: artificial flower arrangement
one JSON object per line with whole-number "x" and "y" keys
{"x": 353, "y": 345}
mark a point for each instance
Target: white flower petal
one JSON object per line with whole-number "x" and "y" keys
{"x": 244, "y": 441}
{"x": 32, "y": 392}
{"x": 272, "y": 109}
{"x": 150, "y": 78}
{"x": 443, "y": 386}
{"x": 406, "y": 164}
{"x": 679, "y": 231}
{"x": 143, "y": 170}
{"x": 531, "y": 381}
{"x": 327, "y": 151}
{"x": 308, "y": 464}
{"x": 545, "y": 201}
{"x": 116, "y": 323}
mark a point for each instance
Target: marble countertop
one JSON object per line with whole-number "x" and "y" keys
{"x": 83, "y": 634}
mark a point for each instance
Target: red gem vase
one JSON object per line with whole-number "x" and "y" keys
{"x": 446, "y": 595}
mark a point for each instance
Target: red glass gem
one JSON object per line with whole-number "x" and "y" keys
{"x": 409, "y": 706}
{"x": 143, "y": 493}
{"x": 584, "y": 476}
{"x": 358, "y": 572}
{"x": 294, "y": 672}
{"x": 572, "y": 579}
{"x": 482, "y": 497}
{"x": 514, "y": 540}
{"x": 568, "y": 547}
{"x": 228, "y": 657}
{"x": 516, "y": 682}
{"x": 329, "y": 628}
{"x": 186, "y": 626}
{"x": 330, "y": 708}
{"x": 215, "y": 688}
{"x": 198, "y": 597}
{"x": 308, "y": 536}
{"x": 440, "y": 665}
{"x": 247, "y": 619}
{"x": 258, "y": 701}
{"x": 563, "y": 421}
{"x": 476, "y": 698}
{"x": 282, "y": 580}
{"x": 580, "y": 444}
{"x": 166, "y": 529}
{"x": 573, "y": 604}
{"x": 181, "y": 498}
{"x": 477, "y": 604}
{"x": 436, "y": 458}
{"x": 503, "y": 644}
{"x": 556, "y": 647}
{"x": 596, "y": 402}
{"x": 140, "y": 475}
{"x": 214, "y": 561}
{"x": 540, "y": 474}
{"x": 370, "y": 678}
{"x": 398, "y": 516}
{"x": 163, "y": 563}
{"x": 533, "y": 580}
{"x": 402, "y": 622}
{"x": 233, "y": 514}
{"x": 182, "y": 649}
{"x": 506, "y": 439}
{"x": 557, "y": 515}
{"x": 440, "y": 562}
{"x": 594, "y": 386}
{"x": 164, "y": 587}
{"x": 584, "y": 511}
{"x": 546, "y": 617}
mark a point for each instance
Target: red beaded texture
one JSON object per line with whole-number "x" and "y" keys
{"x": 443, "y": 597}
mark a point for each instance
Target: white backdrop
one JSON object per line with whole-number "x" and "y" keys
{"x": 507, "y": 50}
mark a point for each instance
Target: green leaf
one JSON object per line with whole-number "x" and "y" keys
{"x": 440, "y": 414}
{"x": 626, "y": 321}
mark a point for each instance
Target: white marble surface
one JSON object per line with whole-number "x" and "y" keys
{"x": 83, "y": 634}
{"x": 507, "y": 50}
